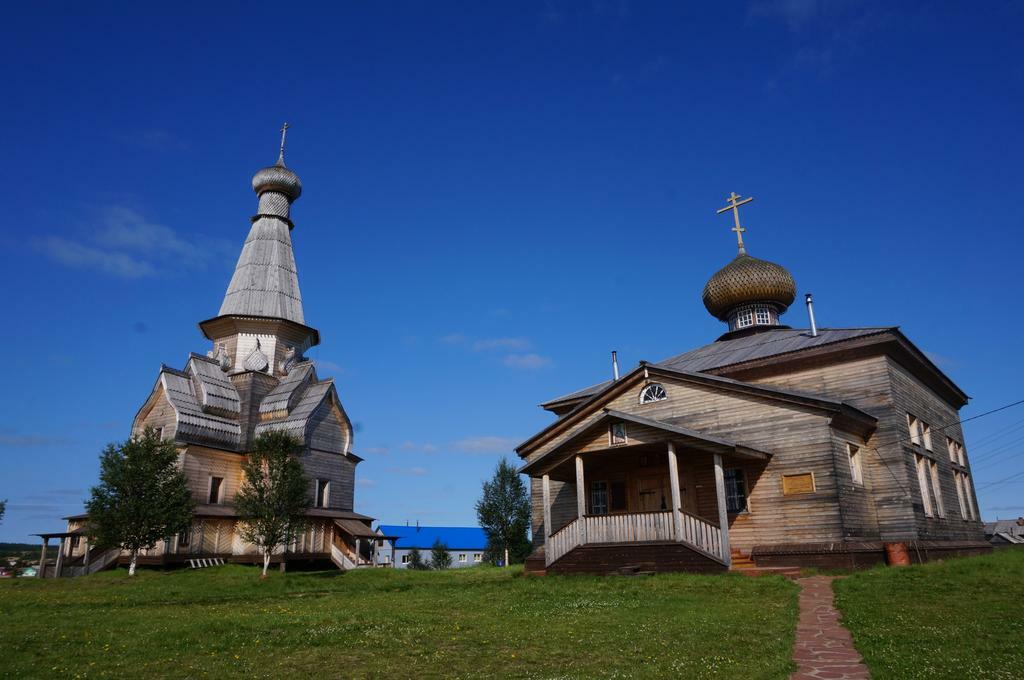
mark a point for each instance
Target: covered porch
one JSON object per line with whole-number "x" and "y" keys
{"x": 642, "y": 481}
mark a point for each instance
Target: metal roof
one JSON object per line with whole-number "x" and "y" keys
{"x": 738, "y": 350}
{"x": 455, "y": 538}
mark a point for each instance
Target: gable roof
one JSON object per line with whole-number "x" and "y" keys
{"x": 759, "y": 390}
{"x": 456, "y": 538}
{"x": 694, "y": 438}
{"x": 722, "y": 353}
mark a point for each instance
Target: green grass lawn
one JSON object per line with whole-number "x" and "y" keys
{"x": 225, "y": 622}
{"x": 962, "y": 618}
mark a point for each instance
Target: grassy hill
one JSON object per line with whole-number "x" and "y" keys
{"x": 225, "y": 622}
{"x": 955, "y": 619}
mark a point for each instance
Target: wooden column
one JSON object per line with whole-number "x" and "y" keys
{"x": 42, "y": 559}
{"x": 546, "y": 486}
{"x": 60, "y": 557}
{"x": 581, "y": 500}
{"x": 393, "y": 541}
{"x": 677, "y": 501}
{"x": 723, "y": 513}
{"x": 86, "y": 549}
{"x": 359, "y": 554}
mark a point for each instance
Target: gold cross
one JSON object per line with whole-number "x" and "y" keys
{"x": 284, "y": 131}
{"x": 734, "y": 206}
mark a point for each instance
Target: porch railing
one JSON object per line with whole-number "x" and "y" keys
{"x": 630, "y": 528}
{"x": 636, "y": 527}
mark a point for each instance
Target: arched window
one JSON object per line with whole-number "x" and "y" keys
{"x": 652, "y": 392}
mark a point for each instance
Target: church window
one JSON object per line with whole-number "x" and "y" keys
{"x": 745, "y": 318}
{"x": 323, "y": 493}
{"x": 966, "y": 479}
{"x": 653, "y": 392}
{"x": 855, "y": 469}
{"x": 599, "y": 498}
{"x": 735, "y": 490}
{"x": 215, "y": 484}
{"x": 933, "y": 468}
{"x": 762, "y": 316}
{"x": 922, "y": 482}
{"x": 915, "y": 429}
{"x": 926, "y": 435}
{"x": 617, "y": 433}
{"x": 185, "y": 538}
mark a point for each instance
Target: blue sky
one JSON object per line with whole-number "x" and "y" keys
{"x": 496, "y": 196}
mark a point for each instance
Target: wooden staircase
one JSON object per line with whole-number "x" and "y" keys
{"x": 744, "y": 564}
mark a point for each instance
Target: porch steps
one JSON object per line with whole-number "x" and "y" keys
{"x": 743, "y": 564}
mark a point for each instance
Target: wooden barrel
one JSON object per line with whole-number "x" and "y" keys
{"x": 896, "y": 554}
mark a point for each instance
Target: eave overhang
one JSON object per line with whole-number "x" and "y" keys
{"x": 691, "y": 439}
{"x": 230, "y": 324}
{"x": 629, "y": 381}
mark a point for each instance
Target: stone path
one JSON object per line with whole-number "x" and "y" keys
{"x": 824, "y": 649}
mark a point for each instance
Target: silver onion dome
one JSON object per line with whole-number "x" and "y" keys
{"x": 277, "y": 178}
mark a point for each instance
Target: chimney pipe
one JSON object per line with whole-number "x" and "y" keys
{"x": 615, "y": 365}
{"x": 810, "y": 313}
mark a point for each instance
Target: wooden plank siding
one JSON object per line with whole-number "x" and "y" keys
{"x": 157, "y": 412}
{"x": 200, "y": 463}
{"x": 799, "y": 437}
{"x": 881, "y": 386}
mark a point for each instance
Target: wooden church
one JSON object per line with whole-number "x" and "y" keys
{"x": 770, "y": 448}
{"x": 254, "y": 379}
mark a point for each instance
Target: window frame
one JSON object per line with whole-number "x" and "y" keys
{"x": 651, "y": 386}
{"x": 593, "y": 494}
{"x": 739, "y": 476}
{"x": 219, "y": 489}
{"x": 322, "y": 487}
{"x": 612, "y": 437}
{"x": 914, "y": 425}
{"x": 462, "y": 558}
{"x": 923, "y": 484}
{"x": 856, "y": 465}
{"x": 185, "y": 537}
{"x": 937, "y": 501}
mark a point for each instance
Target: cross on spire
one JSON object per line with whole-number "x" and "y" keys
{"x": 735, "y": 201}
{"x": 284, "y": 131}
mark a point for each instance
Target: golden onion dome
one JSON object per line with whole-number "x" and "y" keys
{"x": 748, "y": 280}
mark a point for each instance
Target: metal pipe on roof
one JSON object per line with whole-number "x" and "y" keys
{"x": 810, "y": 312}
{"x": 615, "y": 365}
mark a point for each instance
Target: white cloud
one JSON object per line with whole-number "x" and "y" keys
{"x": 425, "y": 447}
{"x": 82, "y": 256}
{"x": 453, "y": 339}
{"x": 429, "y": 448}
{"x": 486, "y": 444}
{"x": 363, "y": 481}
{"x": 127, "y": 245}
{"x": 407, "y": 471}
{"x": 529, "y": 361}
{"x": 378, "y": 450}
{"x": 513, "y": 344}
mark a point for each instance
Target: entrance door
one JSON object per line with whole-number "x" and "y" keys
{"x": 652, "y": 493}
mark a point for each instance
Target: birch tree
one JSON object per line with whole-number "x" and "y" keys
{"x": 274, "y": 497}
{"x": 504, "y": 512}
{"x": 142, "y": 497}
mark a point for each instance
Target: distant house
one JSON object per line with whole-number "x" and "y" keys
{"x": 466, "y": 544}
{"x": 1005, "y": 532}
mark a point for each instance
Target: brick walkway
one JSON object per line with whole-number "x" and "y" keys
{"x": 824, "y": 649}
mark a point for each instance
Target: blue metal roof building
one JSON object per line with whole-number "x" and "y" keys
{"x": 466, "y": 544}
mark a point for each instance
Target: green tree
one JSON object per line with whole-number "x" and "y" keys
{"x": 416, "y": 560}
{"x": 440, "y": 558}
{"x": 274, "y": 497}
{"x": 142, "y": 497}
{"x": 504, "y": 513}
